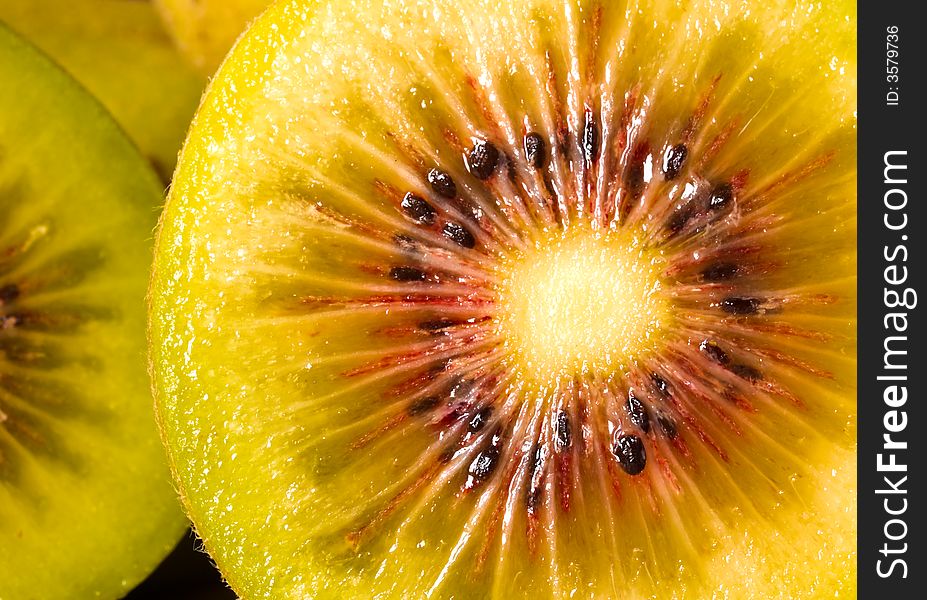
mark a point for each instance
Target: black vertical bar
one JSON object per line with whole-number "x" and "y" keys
{"x": 891, "y": 553}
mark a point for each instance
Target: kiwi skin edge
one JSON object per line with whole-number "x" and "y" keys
{"x": 759, "y": 546}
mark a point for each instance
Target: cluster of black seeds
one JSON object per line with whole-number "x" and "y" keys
{"x": 441, "y": 209}
{"x": 482, "y": 161}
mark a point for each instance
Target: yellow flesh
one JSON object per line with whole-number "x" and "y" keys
{"x": 87, "y": 508}
{"x": 253, "y": 405}
{"x": 581, "y": 302}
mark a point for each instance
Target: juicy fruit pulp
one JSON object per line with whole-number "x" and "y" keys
{"x": 120, "y": 52}
{"x": 378, "y": 374}
{"x": 86, "y": 504}
{"x": 583, "y": 301}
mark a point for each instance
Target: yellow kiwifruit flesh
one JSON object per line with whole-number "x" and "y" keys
{"x": 370, "y": 238}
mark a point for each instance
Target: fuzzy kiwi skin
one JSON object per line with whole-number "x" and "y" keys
{"x": 122, "y": 54}
{"x": 96, "y": 519}
{"x": 209, "y": 418}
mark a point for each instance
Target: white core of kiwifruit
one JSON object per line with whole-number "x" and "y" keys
{"x": 586, "y": 301}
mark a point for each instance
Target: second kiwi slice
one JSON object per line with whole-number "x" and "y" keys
{"x": 518, "y": 299}
{"x": 121, "y": 53}
{"x": 87, "y": 509}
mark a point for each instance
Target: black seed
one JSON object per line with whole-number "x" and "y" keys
{"x": 629, "y": 450}
{"x": 417, "y": 209}
{"x": 714, "y": 352}
{"x": 9, "y": 293}
{"x": 590, "y": 138}
{"x": 736, "y": 305}
{"x": 407, "y": 274}
{"x": 483, "y": 159}
{"x": 535, "y": 150}
{"x": 458, "y": 234}
{"x": 638, "y": 413}
{"x": 422, "y": 406}
{"x": 746, "y": 372}
{"x": 719, "y": 271}
{"x": 442, "y": 183}
{"x": 485, "y": 462}
{"x": 436, "y": 324}
{"x": 563, "y": 432}
{"x": 479, "y": 419}
{"x": 673, "y": 160}
{"x": 721, "y": 196}
{"x": 660, "y": 384}
{"x": 668, "y": 426}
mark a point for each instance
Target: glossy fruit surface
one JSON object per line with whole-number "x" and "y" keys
{"x": 541, "y": 299}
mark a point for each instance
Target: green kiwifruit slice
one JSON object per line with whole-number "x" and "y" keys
{"x": 87, "y": 509}
{"x": 206, "y": 29}
{"x": 535, "y": 299}
{"x": 120, "y": 51}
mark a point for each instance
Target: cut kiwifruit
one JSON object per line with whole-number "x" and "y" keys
{"x": 86, "y": 503}
{"x": 120, "y": 51}
{"x": 206, "y": 29}
{"x": 533, "y": 299}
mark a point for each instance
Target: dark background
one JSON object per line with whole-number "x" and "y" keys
{"x": 186, "y": 574}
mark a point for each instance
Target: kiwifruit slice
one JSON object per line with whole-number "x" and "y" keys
{"x": 531, "y": 299}
{"x": 206, "y": 29}
{"x": 121, "y": 52}
{"x": 86, "y": 503}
